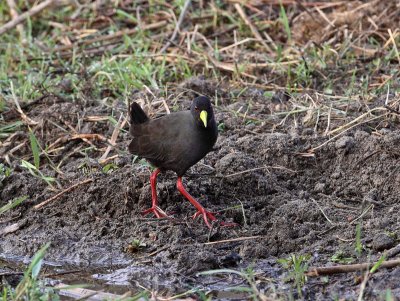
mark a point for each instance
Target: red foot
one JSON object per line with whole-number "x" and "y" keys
{"x": 206, "y": 215}
{"x": 154, "y": 208}
{"x": 200, "y": 209}
{"x": 157, "y": 212}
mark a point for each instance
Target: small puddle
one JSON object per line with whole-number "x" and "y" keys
{"x": 119, "y": 278}
{"x": 65, "y": 273}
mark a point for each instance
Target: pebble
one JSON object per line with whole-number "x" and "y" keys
{"x": 382, "y": 241}
{"x": 345, "y": 142}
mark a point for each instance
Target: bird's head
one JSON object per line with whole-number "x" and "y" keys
{"x": 202, "y": 111}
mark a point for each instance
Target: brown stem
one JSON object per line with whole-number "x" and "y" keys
{"x": 348, "y": 268}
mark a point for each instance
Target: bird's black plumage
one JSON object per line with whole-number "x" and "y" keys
{"x": 176, "y": 141}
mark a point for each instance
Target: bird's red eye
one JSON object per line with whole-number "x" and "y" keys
{"x": 196, "y": 108}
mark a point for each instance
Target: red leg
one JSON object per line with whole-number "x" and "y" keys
{"x": 154, "y": 204}
{"x": 200, "y": 209}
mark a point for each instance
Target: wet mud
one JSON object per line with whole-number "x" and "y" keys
{"x": 284, "y": 198}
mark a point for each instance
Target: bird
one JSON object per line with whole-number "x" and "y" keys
{"x": 176, "y": 142}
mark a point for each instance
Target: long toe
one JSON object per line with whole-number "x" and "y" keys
{"x": 210, "y": 216}
{"x": 156, "y": 211}
{"x": 206, "y": 216}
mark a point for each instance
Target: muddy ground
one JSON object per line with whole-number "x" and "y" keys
{"x": 285, "y": 199}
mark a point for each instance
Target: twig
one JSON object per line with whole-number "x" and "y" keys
{"x": 312, "y": 150}
{"x": 387, "y": 96}
{"x": 328, "y": 123}
{"x": 11, "y": 274}
{"x": 312, "y": 272}
{"x": 344, "y": 239}
{"x": 232, "y": 240}
{"x": 228, "y": 67}
{"x": 253, "y": 29}
{"x": 118, "y": 34}
{"x": 27, "y": 120}
{"x": 258, "y": 168}
{"x": 326, "y": 231}
{"x": 392, "y": 110}
{"x": 362, "y": 214}
{"x": 14, "y": 15}
{"x": 165, "y": 105}
{"x": 114, "y": 137}
{"x": 90, "y": 136}
{"x": 33, "y": 11}
{"x": 10, "y": 229}
{"x": 62, "y": 273}
{"x": 331, "y": 24}
{"x": 86, "y": 294}
{"x": 246, "y": 171}
{"x": 394, "y": 44}
{"x": 363, "y": 286}
{"x": 248, "y": 67}
{"x": 237, "y": 44}
{"x": 109, "y": 159}
{"x": 154, "y": 253}
{"x": 323, "y": 213}
{"x": 38, "y": 206}
{"x": 393, "y": 251}
{"x": 356, "y": 120}
{"x": 178, "y": 25}
{"x": 243, "y": 212}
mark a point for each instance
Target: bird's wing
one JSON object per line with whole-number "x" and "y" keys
{"x": 157, "y": 140}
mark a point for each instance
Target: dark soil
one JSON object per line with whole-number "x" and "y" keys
{"x": 260, "y": 176}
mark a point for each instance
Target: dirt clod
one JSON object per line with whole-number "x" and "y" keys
{"x": 382, "y": 242}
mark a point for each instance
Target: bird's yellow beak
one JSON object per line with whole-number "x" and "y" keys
{"x": 203, "y": 117}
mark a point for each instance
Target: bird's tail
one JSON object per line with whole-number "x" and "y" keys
{"x": 137, "y": 115}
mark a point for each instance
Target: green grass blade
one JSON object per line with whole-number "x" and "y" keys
{"x": 29, "y": 166}
{"x": 13, "y": 204}
{"x": 7, "y": 129}
{"x": 359, "y": 246}
{"x": 285, "y": 22}
{"x": 124, "y": 14}
{"x": 35, "y": 149}
{"x": 389, "y": 295}
{"x": 36, "y": 264}
{"x": 378, "y": 264}
{"x": 31, "y": 273}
